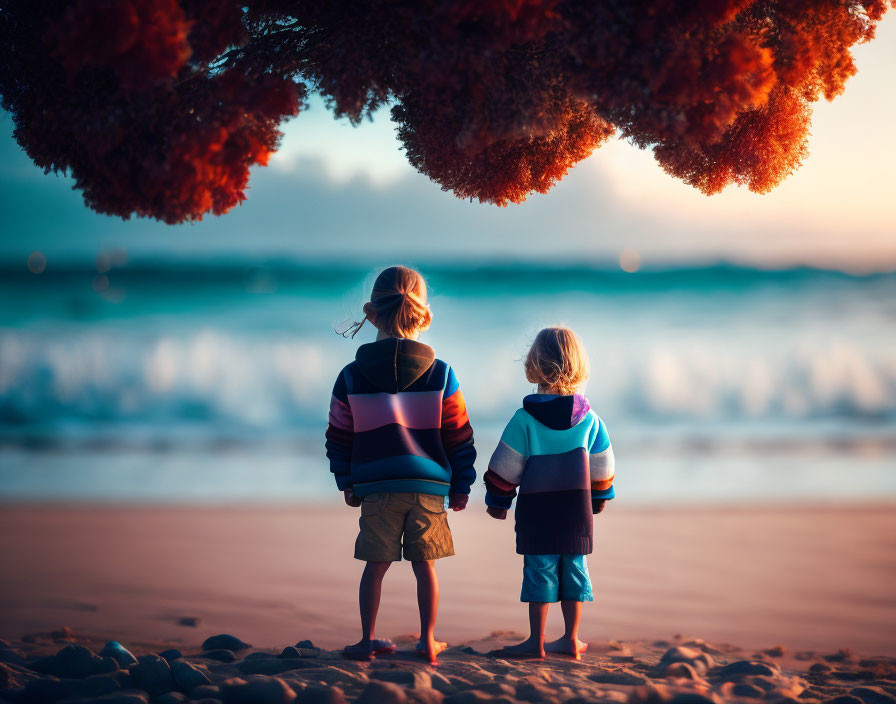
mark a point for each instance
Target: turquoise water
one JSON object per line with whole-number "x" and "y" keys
{"x": 209, "y": 381}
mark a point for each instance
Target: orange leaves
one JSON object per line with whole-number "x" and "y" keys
{"x": 507, "y": 170}
{"x": 111, "y": 93}
{"x": 759, "y": 150}
{"x": 159, "y": 108}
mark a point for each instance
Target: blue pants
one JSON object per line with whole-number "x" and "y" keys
{"x": 550, "y": 578}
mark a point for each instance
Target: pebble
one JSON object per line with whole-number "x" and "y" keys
{"x": 776, "y": 651}
{"x": 74, "y": 661}
{"x": 873, "y": 695}
{"x": 259, "y": 655}
{"x": 171, "y": 654}
{"x": 769, "y": 684}
{"x": 697, "y": 659}
{"x": 115, "y": 650}
{"x": 153, "y": 674}
{"x": 320, "y": 694}
{"x": 820, "y": 668}
{"x": 187, "y": 676}
{"x": 746, "y": 667}
{"x": 224, "y": 641}
{"x": 680, "y": 670}
{"x": 843, "y": 699}
{"x": 121, "y": 677}
{"x": 305, "y": 645}
{"x": 256, "y": 690}
{"x": 206, "y": 691}
{"x": 289, "y": 652}
{"x": 189, "y": 621}
{"x": 746, "y": 689}
{"x": 220, "y": 654}
{"x": 377, "y": 692}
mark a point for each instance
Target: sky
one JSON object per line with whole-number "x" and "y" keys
{"x": 336, "y": 191}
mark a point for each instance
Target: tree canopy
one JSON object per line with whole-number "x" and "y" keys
{"x": 160, "y": 107}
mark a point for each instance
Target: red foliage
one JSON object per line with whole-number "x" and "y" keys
{"x": 141, "y": 41}
{"x": 141, "y": 129}
{"x": 506, "y": 169}
{"x": 160, "y": 107}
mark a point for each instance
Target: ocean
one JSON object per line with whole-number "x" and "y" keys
{"x": 173, "y": 381}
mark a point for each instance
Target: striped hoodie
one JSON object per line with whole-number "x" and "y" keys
{"x": 556, "y": 450}
{"x": 398, "y": 423}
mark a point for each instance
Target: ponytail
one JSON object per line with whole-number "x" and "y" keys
{"x": 397, "y": 304}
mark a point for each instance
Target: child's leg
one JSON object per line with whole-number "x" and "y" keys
{"x": 427, "y": 538}
{"x": 541, "y": 587}
{"x": 369, "y": 596}
{"x": 534, "y": 644}
{"x": 569, "y": 644}
{"x": 575, "y": 589}
{"x": 369, "y": 602}
{"x": 428, "y": 601}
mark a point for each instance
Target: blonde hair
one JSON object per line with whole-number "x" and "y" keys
{"x": 397, "y": 304}
{"x": 557, "y": 360}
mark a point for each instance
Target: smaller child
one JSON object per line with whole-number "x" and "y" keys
{"x": 556, "y": 450}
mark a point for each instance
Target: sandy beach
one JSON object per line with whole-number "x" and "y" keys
{"x": 807, "y": 578}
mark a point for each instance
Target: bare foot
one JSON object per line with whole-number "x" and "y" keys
{"x": 529, "y": 648}
{"x": 384, "y": 646}
{"x": 567, "y": 646}
{"x": 367, "y": 649}
{"x": 430, "y": 650}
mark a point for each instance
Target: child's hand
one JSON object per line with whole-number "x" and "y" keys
{"x": 598, "y": 506}
{"x": 458, "y": 502}
{"x": 351, "y": 499}
{"x": 495, "y": 512}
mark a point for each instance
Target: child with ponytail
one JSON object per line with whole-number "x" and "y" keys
{"x": 399, "y": 442}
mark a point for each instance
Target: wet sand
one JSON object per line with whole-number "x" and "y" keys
{"x": 816, "y": 579}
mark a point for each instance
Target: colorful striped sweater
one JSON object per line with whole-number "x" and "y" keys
{"x": 398, "y": 422}
{"x": 557, "y": 451}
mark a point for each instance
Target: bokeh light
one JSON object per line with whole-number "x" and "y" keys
{"x": 629, "y": 260}
{"x": 37, "y": 262}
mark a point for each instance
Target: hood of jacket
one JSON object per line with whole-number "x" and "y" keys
{"x": 557, "y": 412}
{"x": 395, "y": 363}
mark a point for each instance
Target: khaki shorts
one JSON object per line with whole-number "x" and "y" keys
{"x": 390, "y": 520}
